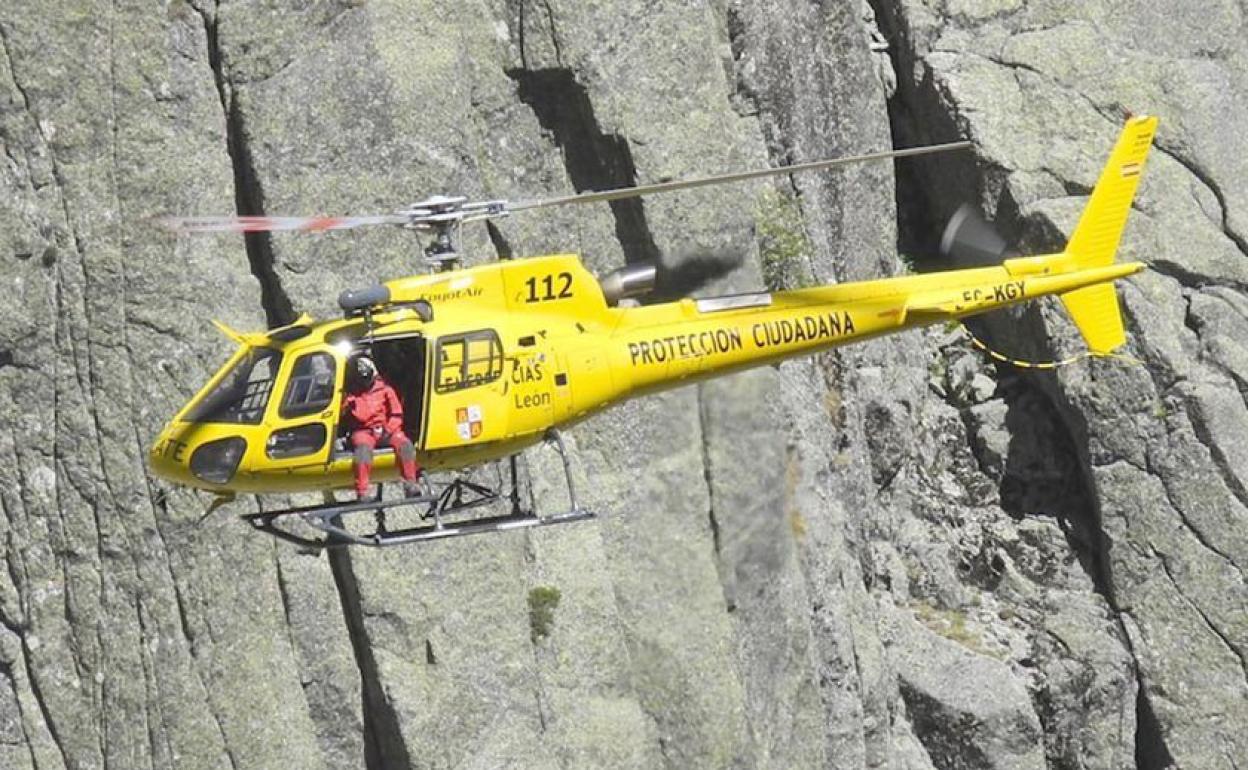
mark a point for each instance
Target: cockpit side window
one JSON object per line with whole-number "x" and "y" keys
{"x": 468, "y": 360}
{"x": 241, "y": 395}
{"x": 311, "y": 385}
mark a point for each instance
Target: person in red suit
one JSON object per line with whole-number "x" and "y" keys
{"x": 374, "y": 415}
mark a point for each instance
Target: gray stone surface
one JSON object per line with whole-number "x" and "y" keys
{"x": 1159, "y": 443}
{"x": 132, "y": 637}
{"x": 893, "y": 556}
{"x": 969, "y": 710}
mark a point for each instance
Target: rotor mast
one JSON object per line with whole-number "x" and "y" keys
{"x": 442, "y": 217}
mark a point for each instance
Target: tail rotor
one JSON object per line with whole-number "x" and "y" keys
{"x": 971, "y": 239}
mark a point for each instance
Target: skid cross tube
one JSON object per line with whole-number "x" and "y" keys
{"x": 338, "y": 537}
{"x": 455, "y": 497}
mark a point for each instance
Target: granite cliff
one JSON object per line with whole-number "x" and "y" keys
{"x": 895, "y": 555}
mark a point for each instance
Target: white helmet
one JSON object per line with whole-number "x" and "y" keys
{"x": 365, "y": 370}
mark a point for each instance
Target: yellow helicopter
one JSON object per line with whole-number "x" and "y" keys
{"x": 491, "y": 360}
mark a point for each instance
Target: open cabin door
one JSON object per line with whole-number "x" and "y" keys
{"x": 403, "y": 360}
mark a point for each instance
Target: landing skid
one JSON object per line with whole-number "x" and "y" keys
{"x": 456, "y": 497}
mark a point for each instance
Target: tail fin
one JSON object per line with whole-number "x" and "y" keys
{"x": 1095, "y": 311}
{"x": 1095, "y": 308}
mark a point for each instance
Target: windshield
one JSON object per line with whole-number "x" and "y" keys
{"x": 241, "y": 395}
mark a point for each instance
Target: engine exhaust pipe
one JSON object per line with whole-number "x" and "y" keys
{"x": 628, "y": 281}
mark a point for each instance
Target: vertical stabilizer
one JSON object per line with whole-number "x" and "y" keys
{"x": 1100, "y": 227}
{"x": 1094, "y": 309}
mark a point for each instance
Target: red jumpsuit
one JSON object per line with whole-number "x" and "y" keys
{"x": 375, "y": 416}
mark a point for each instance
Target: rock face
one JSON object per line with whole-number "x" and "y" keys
{"x": 1155, "y": 446}
{"x": 895, "y": 555}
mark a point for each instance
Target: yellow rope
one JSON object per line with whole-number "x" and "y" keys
{"x": 1044, "y": 364}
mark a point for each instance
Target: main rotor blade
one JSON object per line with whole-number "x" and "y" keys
{"x": 264, "y": 224}
{"x": 739, "y": 176}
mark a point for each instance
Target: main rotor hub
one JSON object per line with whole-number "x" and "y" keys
{"x": 442, "y": 216}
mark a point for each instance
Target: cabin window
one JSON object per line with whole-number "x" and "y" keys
{"x": 296, "y": 442}
{"x": 241, "y": 395}
{"x": 311, "y": 385}
{"x": 468, "y": 360}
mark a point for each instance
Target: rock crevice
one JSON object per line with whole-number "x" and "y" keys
{"x": 248, "y": 190}
{"x": 594, "y": 160}
{"x": 383, "y": 739}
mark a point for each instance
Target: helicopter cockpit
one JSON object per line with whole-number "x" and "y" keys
{"x": 275, "y": 405}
